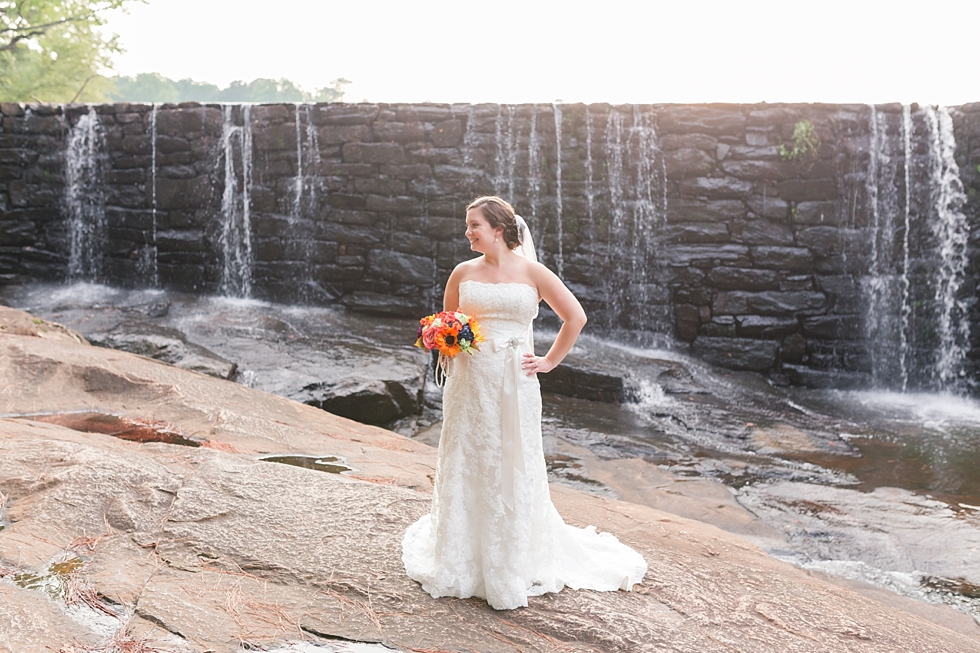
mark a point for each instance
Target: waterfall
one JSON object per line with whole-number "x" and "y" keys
{"x": 633, "y": 181}
{"x": 887, "y": 270}
{"x": 298, "y": 188}
{"x": 469, "y": 137}
{"x": 906, "y": 285}
{"x": 533, "y": 167}
{"x": 951, "y": 231}
{"x": 559, "y": 260}
{"x": 589, "y": 171}
{"x": 148, "y": 255}
{"x": 85, "y": 163}
{"x": 235, "y": 236}
{"x": 507, "y": 147}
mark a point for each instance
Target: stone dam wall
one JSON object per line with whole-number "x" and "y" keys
{"x": 851, "y": 264}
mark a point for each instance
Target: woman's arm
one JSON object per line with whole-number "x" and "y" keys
{"x": 450, "y": 299}
{"x": 567, "y": 307}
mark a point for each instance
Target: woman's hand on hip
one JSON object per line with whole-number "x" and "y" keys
{"x": 536, "y": 364}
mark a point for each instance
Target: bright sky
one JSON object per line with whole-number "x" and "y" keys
{"x": 601, "y": 51}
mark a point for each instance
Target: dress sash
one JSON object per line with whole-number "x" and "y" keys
{"x": 511, "y": 449}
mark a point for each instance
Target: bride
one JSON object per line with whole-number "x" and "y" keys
{"x": 492, "y": 531}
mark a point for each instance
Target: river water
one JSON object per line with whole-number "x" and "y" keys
{"x": 876, "y": 486}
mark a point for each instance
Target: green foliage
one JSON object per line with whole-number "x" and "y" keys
{"x": 154, "y": 87}
{"x": 54, "y": 50}
{"x": 804, "y": 147}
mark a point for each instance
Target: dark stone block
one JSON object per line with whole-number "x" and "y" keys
{"x": 447, "y": 133}
{"x": 757, "y": 326}
{"x": 409, "y": 205}
{"x": 687, "y": 319}
{"x": 737, "y": 353}
{"x": 690, "y": 210}
{"x": 402, "y": 268}
{"x": 706, "y": 255}
{"x": 687, "y": 162}
{"x": 793, "y": 348}
{"x": 183, "y": 193}
{"x": 726, "y": 278}
{"x": 345, "y": 201}
{"x": 685, "y": 119}
{"x": 412, "y": 171}
{"x": 720, "y": 326}
{"x": 387, "y": 153}
{"x": 340, "y": 134}
{"x": 697, "y": 232}
{"x": 181, "y": 241}
{"x": 716, "y": 187}
{"x": 365, "y": 218}
{"x": 771, "y": 302}
{"x": 787, "y": 259}
{"x": 834, "y": 327}
{"x": 761, "y": 232}
{"x": 796, "y": 282}
{"x": 751, "y": 170}
{"x": 808, "y": 190}
{"x": 380, "y": 185}
{"x": 672, "y": 142}
{"x": 772, "y": 208}
{"x": 345, "y": 114}
{"x": 399, "y": 132}
{"x": 329, "y": 168}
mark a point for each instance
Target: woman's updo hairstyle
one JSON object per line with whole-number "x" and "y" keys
{"x": 498, "y": 213}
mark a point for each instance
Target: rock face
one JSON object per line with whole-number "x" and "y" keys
{"x": 674, "y": 220}
{"x": 208, "y": 548}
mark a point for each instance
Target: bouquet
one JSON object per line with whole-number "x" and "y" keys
{"x": 449, "y": 332}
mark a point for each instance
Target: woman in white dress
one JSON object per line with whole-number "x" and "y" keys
{"x": 492, "y": 531}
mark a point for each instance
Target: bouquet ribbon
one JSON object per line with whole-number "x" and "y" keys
{"x": 511, "y": 450}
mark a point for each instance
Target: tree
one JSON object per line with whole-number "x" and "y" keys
{"x": 154, "y": 87}
{"x": 53, "y": 50}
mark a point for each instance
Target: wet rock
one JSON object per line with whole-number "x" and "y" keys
{"x": 737, "y": 353}
{"x": 768, "y": 302}
{"x": 369, "y": 401}
{"x": 826, "y": 380}
{"x": 19, "y": 323}
{"x": 168, "y": 345}
{"x": 786, "y": 259}
{"x": 872, "y": 527}
{"x": 688, "y": 161}
{"x": 757, "y": 326}
{"x": 585, "y": 380}
{"x": 731, "y": 278}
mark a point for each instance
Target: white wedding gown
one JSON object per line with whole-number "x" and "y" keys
{"x": 473, "y": 543}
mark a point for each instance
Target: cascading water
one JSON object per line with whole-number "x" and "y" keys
{"x": 906, "y": 285}
{"x": 882, "y": 284}
{"x": 589, "y": 168}
{"x": 508, "y": 145}
{"x": 634, "y": 178}
{"x": 952, "y": 232}
{"x": 560, "y": 257}
{"x": 235, "y": 236}
{"x": 148, "y": 254}
{"x": 305, "y": 191}
{"x": 534, "y": 167}
{"x": 85, "y": 163}
{"x": 916, "y": 326}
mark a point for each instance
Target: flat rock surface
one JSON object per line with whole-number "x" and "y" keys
{"x": 215, "y": 548}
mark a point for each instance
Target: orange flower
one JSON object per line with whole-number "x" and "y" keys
{"x": 447, "y": 343}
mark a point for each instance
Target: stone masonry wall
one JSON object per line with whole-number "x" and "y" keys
{"x": 670, "y": 222}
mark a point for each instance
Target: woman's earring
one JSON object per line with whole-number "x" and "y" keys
{"x": 496, "y": 240}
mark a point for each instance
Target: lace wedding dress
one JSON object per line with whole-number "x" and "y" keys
{"x": 492, "y": 531}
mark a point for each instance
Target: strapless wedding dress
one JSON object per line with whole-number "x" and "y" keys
{"x": 492, "y": 531}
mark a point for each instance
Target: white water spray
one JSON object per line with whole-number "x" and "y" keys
{"x": 85, "y": 163}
